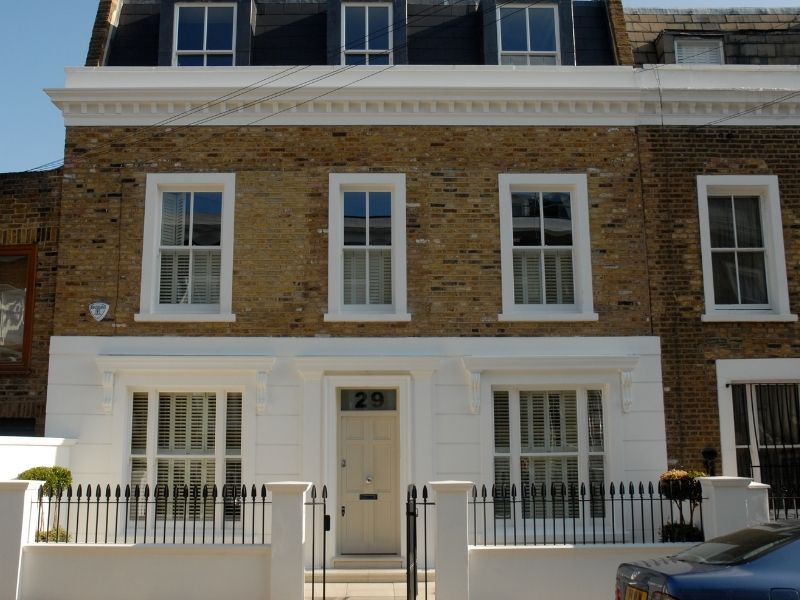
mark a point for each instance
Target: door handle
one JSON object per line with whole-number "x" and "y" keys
{"x": 342, "y": 510}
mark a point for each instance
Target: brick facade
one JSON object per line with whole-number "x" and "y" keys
{"x": 672, "y": 157}
{"x": 280, "y": 252}
{"x": 30, "y": 215}
{"x": 102, "y": 31}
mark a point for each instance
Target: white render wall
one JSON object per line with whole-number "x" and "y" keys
{"x": 18, "y": 454}
{"x": 289, "y": 398}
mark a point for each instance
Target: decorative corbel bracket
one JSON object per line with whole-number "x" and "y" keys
{"x": 475, "y": 389}
{"x": 108, "y": 391}
{"x": 626, "y": 384}
{"x": 261, "y": 398}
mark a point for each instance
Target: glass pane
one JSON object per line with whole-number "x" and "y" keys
{"x": 355, "y": 59}
{"x": 220, "y": 28}
{"x": 512, "y": 29}
{"x": 367, "y": 400}
{"x": 191, "y": 60}
{"x": 720, "y": 217}
{"x": 537, "y": 59}
{"x": 355, "y": 218}
{"x": 190, "y": 27}
{"x": 723, "y": 265}
{"x": 378, "y": 28}
{"x": 380, "y": 218}
{"x": 748, "y": 223}
{"x": 752, "y": 278}
{"x": 219, "y": 60}
{"x": 543, "y": 29}
{"x": 526, "y": 218}
{"x": 13, "y": 289}
{"x": 207, "y": 222}
{"x": 355, "y": 28}
{"x": 175, "y": 210}
{"x": 379, "y": 59}
{"x": 557, "y": 219}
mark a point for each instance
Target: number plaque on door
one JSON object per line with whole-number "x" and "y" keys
{"x": 369, "y": 400}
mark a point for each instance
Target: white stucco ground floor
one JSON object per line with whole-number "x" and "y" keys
{"x": 364, "y": 416}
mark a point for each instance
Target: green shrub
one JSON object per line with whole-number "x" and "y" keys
{"x": 681, "y": 532}
{"x": 55, "y": 478}
{"x": 52, "y": 535}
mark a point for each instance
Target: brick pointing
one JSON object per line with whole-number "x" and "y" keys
{"x": 29, "y": 214}
{"x": 281, "y": 256}
{"x": 672, "y": 157}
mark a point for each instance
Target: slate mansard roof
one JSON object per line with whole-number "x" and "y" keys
{"x": 306, "y": 32}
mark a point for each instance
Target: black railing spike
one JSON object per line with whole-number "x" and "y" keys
{"x": 69, "y": 491}
{"x": 474, "y": 491}
{"x": 533, "y": 490}
{"x": 214, "y": 491}
{"x": 146, "y": 491}
{"x": 313, "y": 492}
{"x": 185, "y": 491}
{"x": 253, "y": 493}
{"x": 117, "y": 492}
{"x": 650, "y": 488}
{"x": 611, "y": 489}
{"x": 413, "y": 491}
{"x": 324, "y": 492}
{"x": 40, "y": 493}
{"x": 630, "y": 489}
{"x": 97, "y": 491}
{"x": 424, "y": 492}
{"x": 79, "y": 492}
{"x": 544, "y": 490}
{"x": 137, "y": 491}
{"x": 88, "y": 491}
{"x": 494, "y": 490}
{"x": 513, "y": 490}
{"x": 108, "y": 491}
{"x": 483, "y": 491}
{"x": 621, "y": 488}
{"x": 263, "y": 490}
{"x": 244, "y": 491}
{"x": 205, "y": 492}
{"x": 641, "y": 489}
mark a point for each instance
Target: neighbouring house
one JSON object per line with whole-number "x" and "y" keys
{"x": 376, "y": 244}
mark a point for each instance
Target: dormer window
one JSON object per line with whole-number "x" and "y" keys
{"x": 528, "y": 35}
{"x": 692, "y": 51}
{"x": 204, "y": 35}
{"x": 366, "y": 30}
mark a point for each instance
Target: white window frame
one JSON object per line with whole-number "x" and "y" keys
{"x": 708, "y": 44}
{"x": 204, "y": 52}
{"x": 582, "y": 454}
{"x": 149, "y": 307}
{"x": 747, "y": 371}
{"x": 766, "y": 188}
{"x": 528, "y": 53}
{"x": 367, "y": 51}
{"x": 577, "y": 186}
{"x": 338, "y": 183}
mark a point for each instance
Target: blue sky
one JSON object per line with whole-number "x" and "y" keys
{"x": 38, "y": 38}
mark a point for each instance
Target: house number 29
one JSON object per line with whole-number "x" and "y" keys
{"x": 366, "y": 401}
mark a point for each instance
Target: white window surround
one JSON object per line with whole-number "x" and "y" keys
{"x": 149, "y": 308}
{"x": 528, "y": 54}
{"x": 576, "y": 185}
{"x": 368, "y": 52}
{"x": 766, "y": 188}
{"x": 756, "y": 370}
{"x": 339, "y": 183}
{"x": 204, "y": 52}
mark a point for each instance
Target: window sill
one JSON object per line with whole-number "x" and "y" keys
{"x": 548, "y": 316}
{"x": 367, "y": 317}
{"x": 743, "y": 316}
{"x": 184, "y": 317}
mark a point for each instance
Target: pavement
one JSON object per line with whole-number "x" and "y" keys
{"x": 367, "y": 591}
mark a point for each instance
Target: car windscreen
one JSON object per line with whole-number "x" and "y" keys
{"x": 738, "y": 547}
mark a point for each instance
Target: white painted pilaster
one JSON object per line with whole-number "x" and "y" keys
{"x": 15, "y": 508}
{"x": 288, "y": 535}
{"x": 731, "y": 503}
{"x": 452, "y": 539}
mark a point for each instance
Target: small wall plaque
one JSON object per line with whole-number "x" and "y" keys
{"x": 99, "y": 310}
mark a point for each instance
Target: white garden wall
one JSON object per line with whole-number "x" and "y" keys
{"x": 20, "y": 453}
{"x": 97, "y": 572}
{"x": 545, "y": 573}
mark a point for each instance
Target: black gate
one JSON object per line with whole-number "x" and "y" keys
{"x": 320, "y": 526}
{"x": 413, "y": 526}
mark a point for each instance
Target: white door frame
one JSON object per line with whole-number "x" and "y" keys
{"x": 330, "y": 452}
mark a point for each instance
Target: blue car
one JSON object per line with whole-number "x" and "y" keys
{"x": 758, "y": 563}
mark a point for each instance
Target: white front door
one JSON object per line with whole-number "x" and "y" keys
{"x": 369, "y": 522}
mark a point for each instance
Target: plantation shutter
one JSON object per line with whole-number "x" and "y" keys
{"x": 559, "y": 283}
{"x": 698, "y": 52}
{"x": 527, "y": 277}
{"x": 355, "y": 276}
{"x": 174, "y": 277}
{"x": 532, "y": 421}
{"x": 206, "y": 277}
{"x": 380, "y": 276}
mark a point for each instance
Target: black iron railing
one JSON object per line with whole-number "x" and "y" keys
{"x": 320, "y": 526}
{"x": 784, "y": 486}
{"x": 161, "y": 515}
{"x": 415, "y": 524}
{"x": 510, "y": 515}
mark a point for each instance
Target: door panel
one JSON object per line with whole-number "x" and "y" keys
{"x": 368, "y": 459}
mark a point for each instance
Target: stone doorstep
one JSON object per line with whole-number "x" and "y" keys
{"x": 367, "y": 576}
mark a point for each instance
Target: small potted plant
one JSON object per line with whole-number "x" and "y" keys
{"x": 681, "y": 487}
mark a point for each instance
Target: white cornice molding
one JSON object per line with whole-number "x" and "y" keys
{"x": 428, "y": 95}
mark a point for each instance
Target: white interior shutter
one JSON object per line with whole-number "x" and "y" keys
{"x": 566, "y": 284}
{"x": 139, "y": 423}
{"x": 527, "y": 277}
{"x": 502, "y": 427}
{"x": 380, "y": 276}
{"x": 174, "y": 277}
{"x": 698, "y": 52}
{"x": 206, "y": 276}
{"x": 532, "y": 421}
{"x": 233, "y": 424}
{"x": 594, "y": 403}
{"x": 354, "y": 284}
